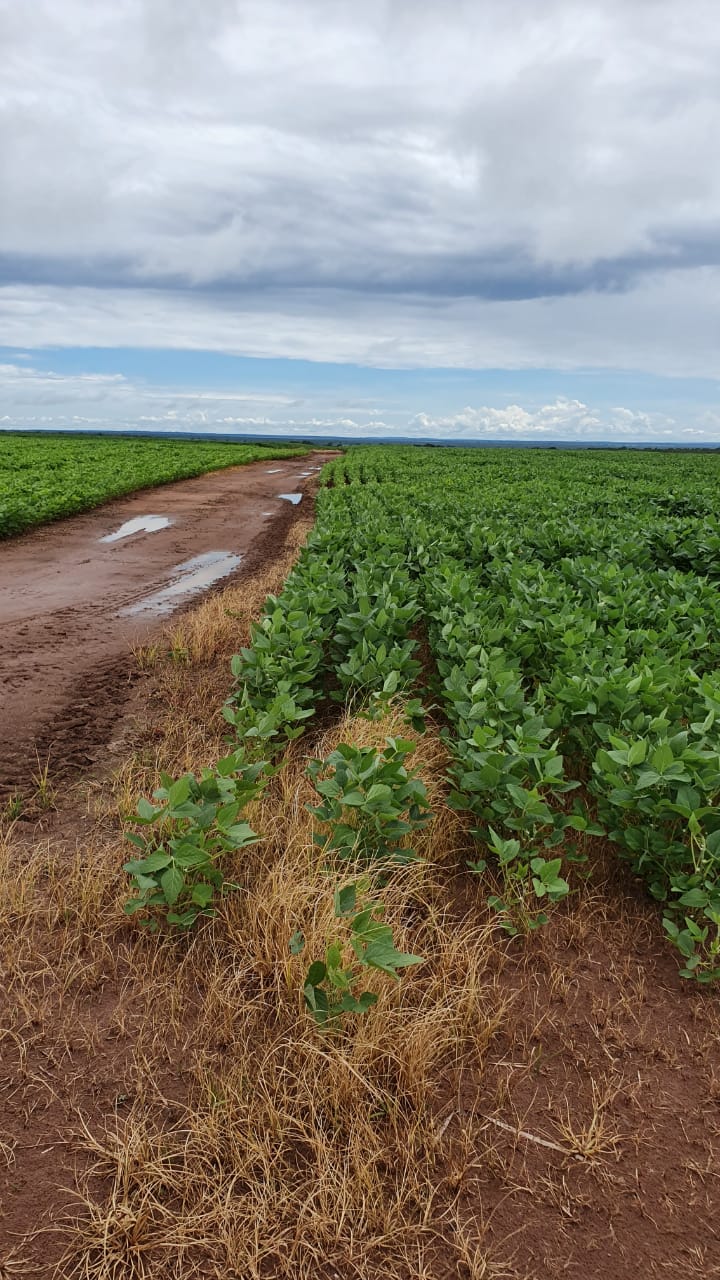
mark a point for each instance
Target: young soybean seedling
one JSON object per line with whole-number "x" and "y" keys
{"x": 331, "y": 985}
{"x": 518, "y": 872}
{"x": 193, "y": 825}
{"x": 370, "y": 801}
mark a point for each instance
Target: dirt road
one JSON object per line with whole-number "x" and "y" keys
{"x": 76, "y": 596}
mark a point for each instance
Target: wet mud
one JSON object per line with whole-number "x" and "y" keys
{"x": 139, "y": 524}
{"x": 78, "y": 596}
{"x": 186, "y": 581}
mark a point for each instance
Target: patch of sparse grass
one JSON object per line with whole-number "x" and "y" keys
{"x": 37, "y": 798}
{"x": 12, "y": 809}
{"x": 287, "y": 1154}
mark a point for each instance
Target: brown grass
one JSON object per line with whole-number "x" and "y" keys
{"x": 217, "y": 1133}
{"x": 296, "y": 1154}
{"x": 245, "y": 1142}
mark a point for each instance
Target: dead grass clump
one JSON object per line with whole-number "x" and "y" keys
{"x": 72, "y": 905}
{"x": 192, "y": 678}
{"x": 296, "y": 1153}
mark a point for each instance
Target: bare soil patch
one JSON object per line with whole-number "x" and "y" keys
{"x": 66, "y": 596}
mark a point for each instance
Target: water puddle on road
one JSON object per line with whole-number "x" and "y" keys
{"x": 291, "y": 497}
{"x": 140, "y": 524}
{"x": 274, "y": 471}
{"x": 188, "y": 578}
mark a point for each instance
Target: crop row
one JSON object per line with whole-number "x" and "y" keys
{"x": 572, "y": 621}
{"x": 572, "y": 614}
{"x": 44, "y": 477}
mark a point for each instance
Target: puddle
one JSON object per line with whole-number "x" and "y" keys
{"x": 291, "y": 497}
{"x": 140, "y": 524}
{"x": 274, "y": 471}
{"x": 190, "y": 577}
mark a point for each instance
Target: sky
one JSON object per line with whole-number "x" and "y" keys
{"x": 435, "y": 218}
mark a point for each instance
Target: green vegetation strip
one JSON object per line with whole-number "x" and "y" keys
{"x": 43, "y": 477}
{"x": 571, "y": 608}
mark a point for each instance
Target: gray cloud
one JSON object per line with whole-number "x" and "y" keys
{"x": 274, "y": 142}
{"x": 329, "y": 166}
{"x": 668, "y": 324}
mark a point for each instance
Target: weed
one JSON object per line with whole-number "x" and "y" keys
{"x": 522, "y": 876}
{"x": 43, "y": 795}
{"x": 13, "y": 808}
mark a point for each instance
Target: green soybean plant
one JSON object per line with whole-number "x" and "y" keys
{"x": 698, "y": 944}
{"x": 527, "y": 881}
{"x": 370, "y": 802}
{"x": 332, "y": 987}
{"x": 192, "y": 826}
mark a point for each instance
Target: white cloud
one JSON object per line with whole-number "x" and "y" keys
{"x": 513, "y": 420}
{"x": 563, "y": 419}
{"x": 24, "y": 385}
{"x": 34, "y": 398}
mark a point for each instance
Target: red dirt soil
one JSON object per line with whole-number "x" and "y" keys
{"x": 65, "y": 646}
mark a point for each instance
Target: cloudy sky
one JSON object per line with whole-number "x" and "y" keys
{"x": 476, "y": 218}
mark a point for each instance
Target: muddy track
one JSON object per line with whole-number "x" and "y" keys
{"x": 73, "y": 606}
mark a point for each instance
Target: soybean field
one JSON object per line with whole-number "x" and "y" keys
{"x": 382, "y": 936}
{"x": 566, "y": 608}
{"x": 44, "y": 477}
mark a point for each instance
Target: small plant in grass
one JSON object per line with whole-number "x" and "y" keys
{"x": 44, "y": 793}
{"x": 332, "y": 986}
{"x": 14, "y": 807}
{"x": 179, "y": 653}
{"x": 524, "y": 878}
{"x": 281, "y": 717}
{"x": 370, "y": 802}
{"x": 193, "y": 824}
{"x": 381, "y": 702}
{"x": 698, "y": 944}
{"x": 146, "y": 656}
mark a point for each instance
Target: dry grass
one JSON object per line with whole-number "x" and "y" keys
{"x": 251, "y": 1145}
{"x": 242, "y": 1141}
{"x": 294, "y": 1154}
{"x": 217, "y": 1133}
{"x": 192, "y": 677}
